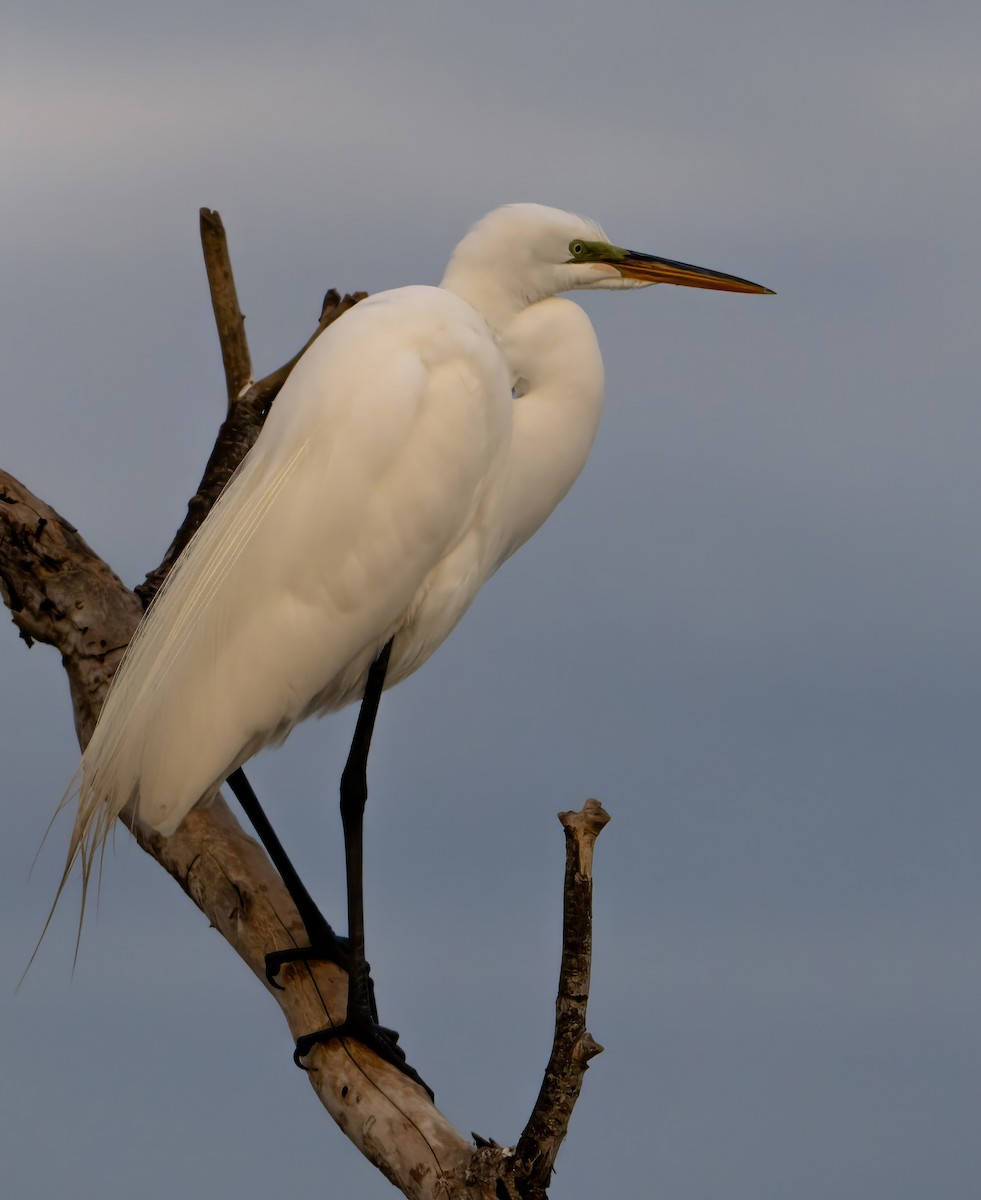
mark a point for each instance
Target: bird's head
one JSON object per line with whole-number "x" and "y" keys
{"x": 522, "y": 253}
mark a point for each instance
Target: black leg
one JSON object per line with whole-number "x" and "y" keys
{"x": 324, "y": 942}
{"x": 354, "y": 797}
{"x": 361, "y": 1020}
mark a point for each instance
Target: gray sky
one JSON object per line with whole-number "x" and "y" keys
{"x": 751, "y": 630}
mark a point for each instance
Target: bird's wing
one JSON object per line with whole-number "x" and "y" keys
{"x": 369, "y": 470}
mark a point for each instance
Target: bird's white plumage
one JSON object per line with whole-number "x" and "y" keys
{"x": 394, "y": 474}
{"x": 415, "y": 446}
{"x": 369, "y": 473}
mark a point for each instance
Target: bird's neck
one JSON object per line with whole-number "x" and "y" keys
{"x": 558, "y": 371}
{"x": 498, "y": 299}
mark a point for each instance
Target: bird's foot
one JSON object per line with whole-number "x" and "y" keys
{"x": 361, "y": 1023}
{"x": 384, "y": 1042}
{"x": 325, "y": 946}
{"x": 323, "y": 949}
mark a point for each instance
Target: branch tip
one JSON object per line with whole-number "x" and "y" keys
{"x": 589, "y": 821}
{"x": 582, "y": 829}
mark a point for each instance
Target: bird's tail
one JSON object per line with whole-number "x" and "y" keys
{"x": 95, "y": 791}
{"x": 75, "y": 848}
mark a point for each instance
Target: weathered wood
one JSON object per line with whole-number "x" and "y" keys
{"x": 59, "y": 591}
{"x": 229, "y": 318}
{"x": 572, "y": 1046}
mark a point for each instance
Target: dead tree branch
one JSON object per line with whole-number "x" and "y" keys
{"x": 229, "y": 318}
{"x": 572, "y": 1047}
{"x": 60, "y": 592}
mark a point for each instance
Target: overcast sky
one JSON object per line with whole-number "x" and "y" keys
{"x": 752, "y": 630}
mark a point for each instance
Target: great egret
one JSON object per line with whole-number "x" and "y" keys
{"x": 417, "y": 444}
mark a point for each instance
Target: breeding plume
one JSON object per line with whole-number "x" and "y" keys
{"x": 417, "y": 444}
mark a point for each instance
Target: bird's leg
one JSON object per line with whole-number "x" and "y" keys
{"x": 361, "y": 1020}
{"x": 354, "y": 797}
{"x": 324, "y": 942}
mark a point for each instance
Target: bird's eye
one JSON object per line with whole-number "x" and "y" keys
{"x": 578, "y": 249}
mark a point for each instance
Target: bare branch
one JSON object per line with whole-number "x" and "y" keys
{"x": 59, "y": 591}
{"x": 524, "y": 1172}
{"x": 572, "y": 1047}
{"x": 224, "y": 300}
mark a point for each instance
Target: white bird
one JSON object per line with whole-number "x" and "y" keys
{"x": 417, "y": 444}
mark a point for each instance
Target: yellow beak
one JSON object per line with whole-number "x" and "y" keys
{"x": 647, "y": 268}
